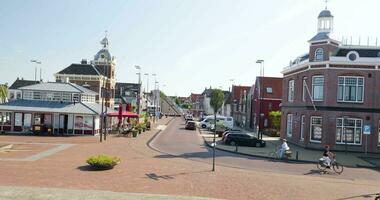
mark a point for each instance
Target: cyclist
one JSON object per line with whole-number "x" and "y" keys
{"x": 327, "y": 156}
{"x": 281, "y": 149}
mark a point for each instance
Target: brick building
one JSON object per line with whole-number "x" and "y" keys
{"x": 330, "y": 94}
{"x": 94, "y": 75}
{"x": 270, "y": 100}
{"x": 239, "y": 104}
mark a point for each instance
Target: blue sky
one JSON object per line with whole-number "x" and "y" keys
{"x": 189, "y": 44}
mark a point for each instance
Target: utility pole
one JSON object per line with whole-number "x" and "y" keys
{"x": 260, "y": 97}
{"x": 139, "y": 89}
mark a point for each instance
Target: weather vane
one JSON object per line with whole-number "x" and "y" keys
{"x": 326, "y": 1}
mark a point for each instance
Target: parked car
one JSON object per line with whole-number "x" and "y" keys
{"x": 243, "y": 139}
{"x": 190, "y": 125}
{"x": 230, "y": 131}
{"x": 188, "y": 117}
{"x": 227, "y": 121}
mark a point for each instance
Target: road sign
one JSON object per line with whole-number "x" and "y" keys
{"x": 367, "y": 130}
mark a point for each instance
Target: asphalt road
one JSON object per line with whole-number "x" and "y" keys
{"x": 174, "y": 140}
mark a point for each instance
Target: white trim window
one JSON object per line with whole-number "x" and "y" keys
{"x": 302, "y": 131}
{"x": 378, "y": 139}
{"x": 318, "y": 54}
{"x": 291, "y": 91}
{"x": 351, "y": 89}
{"x": 304, "y": 89}
{"x": 351, "y": 130}
{"x": 317, "y": 87}
{"x": 28, "y": 95}
{"x": 316, "y": 130}
{"x": 289, "y": 125}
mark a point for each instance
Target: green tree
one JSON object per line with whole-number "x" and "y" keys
{"x": 275, "y": 119}
{"x": 3, "y": 93}
{"x": 216, "y": 102}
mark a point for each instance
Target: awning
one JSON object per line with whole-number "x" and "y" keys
{"x": 124, "y": 114}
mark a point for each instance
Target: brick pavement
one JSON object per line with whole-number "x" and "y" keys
{"x": 143, "y": 170}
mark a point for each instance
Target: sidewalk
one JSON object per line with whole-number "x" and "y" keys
{"x": 304, "y": 155}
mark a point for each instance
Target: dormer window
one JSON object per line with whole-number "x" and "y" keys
{"x": 318, "y": 55}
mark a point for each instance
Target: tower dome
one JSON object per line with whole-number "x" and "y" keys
{"x": 325, "y": 21}
{"x": 103, "y": 55}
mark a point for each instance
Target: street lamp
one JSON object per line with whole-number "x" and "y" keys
{"x": 35, "y": 69}
{"x": 147, "y": 82}
{"x": 139, "y": 90}
{"x": 154, "y": 96}
{"x": 260, "y": 97}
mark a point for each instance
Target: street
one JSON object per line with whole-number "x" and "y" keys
{"x": 177, "y": 141}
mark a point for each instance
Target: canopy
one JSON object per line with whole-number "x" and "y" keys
{"x": 124, "y": 114}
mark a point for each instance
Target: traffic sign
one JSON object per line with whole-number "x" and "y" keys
{"x": 367, "y": 130}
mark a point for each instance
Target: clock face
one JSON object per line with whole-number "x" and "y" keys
{"x": 352, "y": 56}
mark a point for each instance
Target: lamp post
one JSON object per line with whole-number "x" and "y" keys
{"x": 35, "y": 69}
{"x": 139, "y": 90}
{"x": 147, "y": 82}
{"x": 154, "y": 97}
{"x": 260, "y": 97}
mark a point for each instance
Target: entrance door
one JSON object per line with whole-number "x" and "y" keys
{"x": 63, "y": 124}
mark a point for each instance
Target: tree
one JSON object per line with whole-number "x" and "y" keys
{"x": 3, "y": 93}
{"x": 216, "y": 102}
{"x": 275, "y": 119}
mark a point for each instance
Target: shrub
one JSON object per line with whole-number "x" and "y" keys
{"x": 103, "y": 161}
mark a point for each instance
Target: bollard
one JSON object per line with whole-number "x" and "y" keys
{"x": 296, "y": 155}
{"x": 236, "y": 147}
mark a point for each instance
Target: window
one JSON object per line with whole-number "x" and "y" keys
{"x": 57, "y": 96}
{"x": 75, "y": 98}
{"x": 318, "y": 55}
{"x": 11, "y": 95}
{"x": 378, "y": 139}
{"x": 350, "y": 89}
{"x": 316, "y": 129}
{"x": 349, "y": 129}
{"x": 289, "y": 125}
{"x": 302, "y": 131}
{"x": 18, "y": 95}
{"x": 36, "y": 95}
{"x": 269, "y": 90}
{"x": 5, "y": 118}
{"x": 317, "y": 87}
{"x": 66, "y": 97}
{"x": 291, "y": 91}
{"x": 28, "y": 95}
{"x": 304, "y": 89}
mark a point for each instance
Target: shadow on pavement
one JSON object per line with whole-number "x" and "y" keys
{"x": 89, "y": 168}
{"x": 156, "y": 177}
{"x": 372, "y": 196}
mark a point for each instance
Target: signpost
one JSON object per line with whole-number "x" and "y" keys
{"x": 366, "y": 132}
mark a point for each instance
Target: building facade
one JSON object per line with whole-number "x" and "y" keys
{"x": 52, "y": 108}
{"x": 94, "y": 75}
{"x": 330, "y": 94}
{"x": 267, "y": 97}
{"x": 239, "y": 104}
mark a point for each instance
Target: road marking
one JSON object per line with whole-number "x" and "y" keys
{"x": 161, "y": 127}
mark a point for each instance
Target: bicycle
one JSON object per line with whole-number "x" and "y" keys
{"x": 337, "y": 167}
{"x": 275, "y": 155}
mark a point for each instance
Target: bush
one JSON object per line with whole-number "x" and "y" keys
{"x": 103, "y": 161}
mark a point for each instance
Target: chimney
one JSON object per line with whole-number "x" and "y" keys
{"x": 84, "y": 61}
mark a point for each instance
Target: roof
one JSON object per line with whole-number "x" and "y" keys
{"x": 238, "y": 90}
{"x": 52, "y": 107}
{"x": 81, "y": 69}
{"x": 369, "y": 53}
{"x": 194, "y": 97}
{"x": 320, "y": 36}
{"x": 103, "y": 55}
{"x": 207, "y": 92}
{"x": 325, "y": 13}
{"x": 273, "y": 82}
{"x": 21, "y": 83}
{"x": 58, "y": 86}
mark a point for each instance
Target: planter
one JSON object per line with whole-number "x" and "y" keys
{"x": 139, "y": 131}
{"x": 103, "y": 162}
{"x": 134, "y": 134}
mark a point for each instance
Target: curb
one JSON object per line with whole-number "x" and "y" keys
{"x": 267, "y": 157}
{"x": 155, "y": 135}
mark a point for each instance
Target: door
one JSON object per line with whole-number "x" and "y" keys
{"x": 63, "y": 124}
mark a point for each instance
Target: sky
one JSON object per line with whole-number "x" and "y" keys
{"x": 189, "y": 44}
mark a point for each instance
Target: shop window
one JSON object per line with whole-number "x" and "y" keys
{"x": 316, "y": 129}
{"x": 289, "y": 125}
{"x": 348, "y": 129}
{"x": 5, "y": 118}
